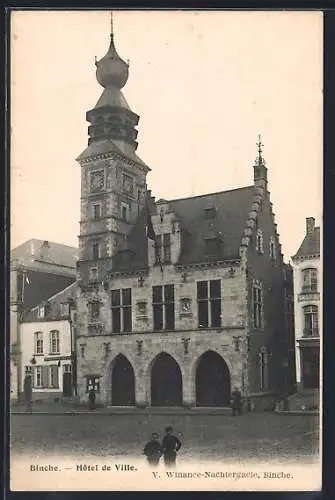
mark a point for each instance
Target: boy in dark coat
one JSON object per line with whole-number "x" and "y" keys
{"x": 153, "y": 450}
{"x": 236, "y": 402}
{"x": 171, "y": 444}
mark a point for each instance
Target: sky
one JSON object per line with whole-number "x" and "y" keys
{"x": 204, "y": 84}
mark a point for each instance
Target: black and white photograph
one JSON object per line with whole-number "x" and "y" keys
{"x": 166, "y": 250}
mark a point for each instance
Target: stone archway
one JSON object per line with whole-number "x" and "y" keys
{"x": 212, "y": 381}
{"x": 166, "y": 381}
{"x": 123, "y": 382}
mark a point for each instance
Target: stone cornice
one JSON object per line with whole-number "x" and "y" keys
{"x": 114, "y": 155}
{"x": 301, "y": 258}
{"x": 202, "y": 265}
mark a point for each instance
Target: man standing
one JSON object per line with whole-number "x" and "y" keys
{"x": 27, "y": 389}
{"x": 153, "y": 450}
{"x": 171, "y": 444}
{"x": 91, "y": 397}
{"x": 236, "y": 402}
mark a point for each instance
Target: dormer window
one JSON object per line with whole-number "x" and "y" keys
{"x": 259, "y": 241}
{"x": 41, "y": 312}
{"x": 210, "y": 212}
{"x": 213, "y": 246}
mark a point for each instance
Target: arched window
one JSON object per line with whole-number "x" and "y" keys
{"x": 310, "y": 280}
{"x": 311, "y": 321}
{"x": 259, "y": 241}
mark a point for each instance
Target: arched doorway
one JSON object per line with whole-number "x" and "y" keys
{"x": 123, "y": 382}
{"x": 212, "y": 381}
{"x": 166, "y": 382}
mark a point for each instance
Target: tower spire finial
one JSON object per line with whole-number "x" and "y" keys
{"x": 112, "y": 25}
{"x": 259, "y": 148}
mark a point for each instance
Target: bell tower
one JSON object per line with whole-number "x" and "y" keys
{"x": 113, "y": 177}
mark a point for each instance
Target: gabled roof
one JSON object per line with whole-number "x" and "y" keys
{"x": 46, "y": 256}
{"x": 231, "y": 209}
{"x": 310, "y": 245}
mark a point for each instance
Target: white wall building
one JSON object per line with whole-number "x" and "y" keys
{"x": 46, "y": 353}
{"x": 307, "y": 279}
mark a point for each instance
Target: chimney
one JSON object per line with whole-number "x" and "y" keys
{"x": 310, "y": 225}
{"x": 44, "y": 250}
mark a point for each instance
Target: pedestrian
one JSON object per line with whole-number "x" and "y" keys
{"x": 91, "y": 397}
{"x": 236, "y": 402}
{"x": 27, "y": 389}
{"x": 171, "y": 445}
{"x": 153, "y": 450}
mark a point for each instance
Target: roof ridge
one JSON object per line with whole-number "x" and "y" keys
{"x": 209, "y": 194}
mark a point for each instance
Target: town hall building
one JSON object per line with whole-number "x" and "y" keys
{"x": 186, "y": 316}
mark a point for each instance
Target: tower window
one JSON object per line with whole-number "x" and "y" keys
{"x": 96, "y": 211}
{"x": 163, "y": 307}
{"x": 127, "y": 184}
{"x": 209, "y": 303}
{"x": 125, "y": 211}
{"x": 96, "y": 250}
{"x": 121, "y": 310}
{"x": 94, "y": 310}
{"x": 259, "y": 241}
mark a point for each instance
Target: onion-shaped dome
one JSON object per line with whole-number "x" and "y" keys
{"x": 111, "y": 69}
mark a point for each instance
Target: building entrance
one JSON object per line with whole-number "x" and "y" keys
{"x": 166, "y": 382}
{"x": 123, "y": 382}
{"x": 212, "y": 381}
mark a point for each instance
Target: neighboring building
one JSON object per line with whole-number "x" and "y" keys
{"x": 47, "y": 335}
{"x": 39, "y": 269}
{"x": 307, "y": 306}
{"x": 202, "y": 313}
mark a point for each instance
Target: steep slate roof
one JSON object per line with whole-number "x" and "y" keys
{"x": 56, "y": 257}
{"x": 54, "y": 304}
{"x": 232, "y": 208}
{"x": 310, "y": 244}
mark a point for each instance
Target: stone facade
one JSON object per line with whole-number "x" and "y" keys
{"x": 201, "y": 345}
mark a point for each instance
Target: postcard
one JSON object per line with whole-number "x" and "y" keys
{"x": 166, "y": 272}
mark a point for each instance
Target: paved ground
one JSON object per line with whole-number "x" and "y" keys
{"x": 256, "y": 435}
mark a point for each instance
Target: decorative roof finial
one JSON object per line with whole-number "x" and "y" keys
{"x": 112, "y": 26}
{"x": 260, "y": 146}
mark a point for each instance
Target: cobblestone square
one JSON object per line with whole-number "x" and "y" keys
{"x": 258, "y": 436}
